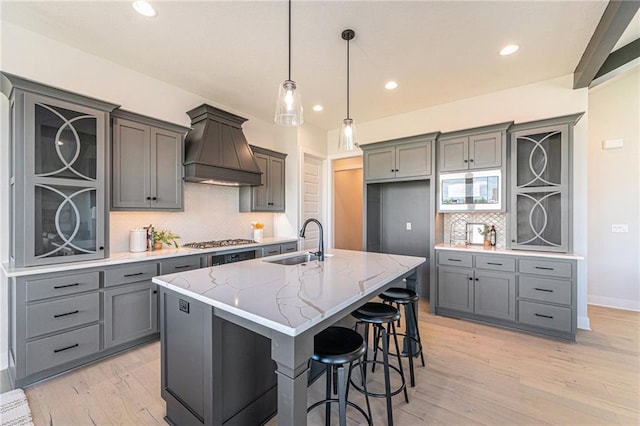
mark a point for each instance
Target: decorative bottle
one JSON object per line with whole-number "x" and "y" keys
{"x": 492, "y": 236}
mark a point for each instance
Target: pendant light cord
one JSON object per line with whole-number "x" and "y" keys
{"x": 289, "y": 39}
{"x": 348, "y": 80}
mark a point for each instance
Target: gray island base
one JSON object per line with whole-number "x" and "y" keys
{"x": 236, "y": 339}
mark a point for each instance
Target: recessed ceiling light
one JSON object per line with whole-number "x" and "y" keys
{"x": 317, "y": 108}
{"x": 508, "y": 50}
{"x": 144, "y": 8}
{"x": 391, "y": 85}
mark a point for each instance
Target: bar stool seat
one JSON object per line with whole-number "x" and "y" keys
{"x": 335, "y": 347}
{"x": 413, "y": 344}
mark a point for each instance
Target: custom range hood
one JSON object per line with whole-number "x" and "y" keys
{"x": 216, "y": 151}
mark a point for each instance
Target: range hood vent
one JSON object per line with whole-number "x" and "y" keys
{"x": 216, "y": 151}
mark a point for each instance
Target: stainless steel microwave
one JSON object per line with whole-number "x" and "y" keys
{"x": 471, "y": 191}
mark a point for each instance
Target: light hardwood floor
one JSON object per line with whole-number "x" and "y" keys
{"x": 475, "y": 374}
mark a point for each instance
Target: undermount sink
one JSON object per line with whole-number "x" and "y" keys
{"x": 294, "y": 260}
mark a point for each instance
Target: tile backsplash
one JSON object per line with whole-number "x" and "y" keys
{"x": 459, "y": 221}
{"x": 210, "y": 213}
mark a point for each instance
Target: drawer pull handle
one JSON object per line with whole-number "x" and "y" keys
{"x": 133, "y": 275}
{"x": 543, "y": 289}
{"x": 68, "y": 313}
{"x": 544, "y": 316}
{"x": 454, "y": 260}
{"x": 493, "y": 263}
{"x": 65, "y": 286}
{"x": 182, "y": 266}
{"x": 544, "y": 268}
{"x": 55, "y": 351}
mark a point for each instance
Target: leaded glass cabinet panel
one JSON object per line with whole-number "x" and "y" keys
{"x": 541, "y": 185}
{"x": 58, "y": 190}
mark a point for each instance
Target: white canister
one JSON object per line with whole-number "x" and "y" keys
{"x": 138, "y": 240}
{"x": 258, "y": 235}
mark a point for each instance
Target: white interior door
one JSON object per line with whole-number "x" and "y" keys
{"x": 311, "y": 199}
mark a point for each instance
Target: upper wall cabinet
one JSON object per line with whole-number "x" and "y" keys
{"x": 147, "y": 156}
{"x": 269, "y": 195}
{"x": 479, "y": 148}
{"x": 399, "y": 159}
{"x": 57, "y": 191}
{"x": 541, "y": 184}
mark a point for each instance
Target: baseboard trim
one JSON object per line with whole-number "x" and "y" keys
{"x": 614, "y": 302}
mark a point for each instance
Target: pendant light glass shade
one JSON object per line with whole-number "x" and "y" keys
{"x": 347, "y": 138}
{"x": 347, "y": 135}
{"x": 289, "y": 105}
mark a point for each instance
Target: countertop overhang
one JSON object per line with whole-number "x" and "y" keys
{"x": 291, "y": 299}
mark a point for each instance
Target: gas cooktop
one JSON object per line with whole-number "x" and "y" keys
{"x": 218, "y": 243}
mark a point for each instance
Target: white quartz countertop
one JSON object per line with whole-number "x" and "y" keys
{"x": 128, "y": 257}
{"x": 493, "y": 250}
{"x": 291, "y": 299}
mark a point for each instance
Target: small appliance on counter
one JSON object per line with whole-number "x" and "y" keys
{"x": 138, "y": 240}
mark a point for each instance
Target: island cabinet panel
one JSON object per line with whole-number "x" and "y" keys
{"x": 399, "y": 159}
{"x": 526, "y": 293}
{"x": 208, "y": 361}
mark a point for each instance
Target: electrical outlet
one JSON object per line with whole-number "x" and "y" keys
{"x": 184, "y": 305}
{"x": 408, "y": 226}
{"x": 620, "y": 228}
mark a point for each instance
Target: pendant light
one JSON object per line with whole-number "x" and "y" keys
{"x": 289, "y": 104}
{"x": 347, "y": 139}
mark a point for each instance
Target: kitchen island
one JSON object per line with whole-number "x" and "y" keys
{"x": 223, "y": 328}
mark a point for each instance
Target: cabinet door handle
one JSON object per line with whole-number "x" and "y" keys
{"x": 55, "y": 351}
{"x": 68, "y": 313}
{"x": 543, "y": 289}
{"x": 544, "y": 316}
{"x": 454, "y": 260}
{"x": 471, "y": 160}
{"x": 544, "y": 268}
{"x": 154, "y": 198}
{"x": 148, "y": 198}
{"x": 477, "y": 279}
{"x": 133, "y": 275}
{"x": 66, "y": 285}
{"x": 397, "y": 170}
{"x": 466, "y": 161}
{"x": 470, "y": 278}
{"x": 492, "y": 263}
{"x": 182, "y": 266}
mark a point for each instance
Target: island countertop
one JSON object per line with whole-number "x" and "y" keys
{"x": 291, "y": 299}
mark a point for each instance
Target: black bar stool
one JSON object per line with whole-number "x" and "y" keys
{"x": 335, "y": 347}
{"x": 379, "y": 314}
{"x": 413, "y": 344}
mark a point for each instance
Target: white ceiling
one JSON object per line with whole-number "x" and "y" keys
{"x": 235, "y": 52}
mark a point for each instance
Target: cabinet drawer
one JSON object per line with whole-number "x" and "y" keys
{"x": 55, "y": 350}
{"x": 271, "y": 250}
{"x": 130, "y": 274}
{"x": 547, "y": 316}
{"x": 179, "y": 264}
{"x": 57, "y": 315}
{"x": 545, "y": 289}
{"x": 495, "y": 263}
{"x": 288, "y": 247}
{"x": 545, "y": 267}
{"x": 455, "y": 259}
{"x": 61, "y": 286}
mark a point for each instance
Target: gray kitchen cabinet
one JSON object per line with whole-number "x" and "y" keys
{"x": 269, "y": 196}
{"x": 57, "y": 192}
{"x": 455, "y": 288}
{"x": 471, "y": 149}
{"x": 147, "y": 156}
{"x": 181, "y": 264}
{"x": 541, "y": 181}
{"x": 526, "y": 293}
{"x": 275, "y": 249}
{"x": 400, "y": 159}
{"x": 130, "y": 312}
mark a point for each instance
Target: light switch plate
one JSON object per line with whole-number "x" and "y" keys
{"x": 408, "y": 226}
{"x": 620, "y": 228}
{"x": 612, "y": 143}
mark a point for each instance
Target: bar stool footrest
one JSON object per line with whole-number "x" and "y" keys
{"x": 378, "y": 395}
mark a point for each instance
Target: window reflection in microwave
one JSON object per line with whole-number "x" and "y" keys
{"x": 454, "y": 191}
{"x": 477, "y": 190}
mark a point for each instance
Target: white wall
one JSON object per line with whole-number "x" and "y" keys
{"x": 536, "y": 101}
{"x": 210, "y": 211}
{"x": 614, "y": 192}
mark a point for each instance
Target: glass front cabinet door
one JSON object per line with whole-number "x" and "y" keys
{"x": 58, "y": 179}
{"x": 541, "y": 184}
